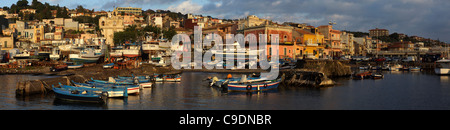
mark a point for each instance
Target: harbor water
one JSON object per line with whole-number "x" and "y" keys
{"x": 397, "y": 91}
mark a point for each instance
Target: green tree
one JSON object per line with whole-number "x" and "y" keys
{"x": 22, "y": 4}
{"x": 62, "y": 13}
{"x": 170, "y": 33}
{"x": 80, "y": 9}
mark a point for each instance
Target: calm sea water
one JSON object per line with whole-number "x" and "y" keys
{"x": 398, "y": 91}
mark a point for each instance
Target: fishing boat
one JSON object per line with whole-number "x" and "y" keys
{"x": 59, "y": 68}
{"x": 377, "y": 76}
{"x": 253, "y": 86}
{"x": 112, "y": 90}
{"x": 144, "y": 81}
{"x": 24, "y": 55}
{"x": 364, "y": 75}
{"x": 83, "y": 96}
{"x": 364, "y": 67}
{"x": 116, "y": 51}
{"x": 172, "y": 78}
{"x": 134, "y": 80}
{"x": 131, "y": 50}
{"x": 219, "y": 82}
{"x": 444, "y": 67}
{"x": 159, "y": 62}
{"x": 414, "y": 69}
{"x": 386, "y": 67}
{"x": 86, "y": 56}
{"x": 55, "y": 55}
{"x": 75, "y": 66}
{"x": 396, "y": 67}
{"x": 108, "y": 66}
{"x": 132, "y": 88}
{"x": 166, "y": 78}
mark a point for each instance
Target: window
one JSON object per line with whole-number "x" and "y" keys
{"x": 6, "y": 44}
{"x": 270, "y": 51}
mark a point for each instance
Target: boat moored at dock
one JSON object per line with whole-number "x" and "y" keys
{"x": 82, "y": 96}
{"x": 444, "y": 67}
{"x": 255, "y": 86}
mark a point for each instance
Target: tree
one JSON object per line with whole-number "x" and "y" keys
{"x": 170, "y": 33}
{"x": 80, "y": 9}
{"x": 22, "y": 3}
{"x": 62, "y": 13}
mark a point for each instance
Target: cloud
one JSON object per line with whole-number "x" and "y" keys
{"x": 186, "y": 7}
{"x": 427, "y": 18}
{"x": 135, "y": 3}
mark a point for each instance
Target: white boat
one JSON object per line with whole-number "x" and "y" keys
{"x": 55, "y": 54}
{"x": 396, "y": 67}
{"x": 414, "y": 69}
{"x": 160, "y": 62}
{"x": 75, "y": 66}
{"x": 131, "y": 50}
{"x": 24, "y": 55}
{"x": 444, "y": 67}
{"x": 116, "y": 51}
{"x": 85, "y": 56}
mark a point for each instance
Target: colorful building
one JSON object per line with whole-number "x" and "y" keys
{"x": 333, "y": 47}
{"x": 308, "y": 43}
{"x": 285, "y": 39}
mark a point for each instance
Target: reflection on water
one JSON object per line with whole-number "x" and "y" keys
{"x": 445, "y": 78}
{"x": 398, "y": 90}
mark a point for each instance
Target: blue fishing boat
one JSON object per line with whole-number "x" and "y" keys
{"x": 253, "y": 86}
{"x": 83, "y": 96}
{"x": 219, "y": 82}
{"x": 110, "y": 82}
{"x": 144, "y": 81}
{"x": 131, "y": 87}
{"x": 130, "y": 80}
{"x": 108, "y": 66}
{"x": 133, "y": 77}
{"x": 112, "y": 91}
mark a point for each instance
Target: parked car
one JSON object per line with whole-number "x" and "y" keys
{"x": 381, "y": 59}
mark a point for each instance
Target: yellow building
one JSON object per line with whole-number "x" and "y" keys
{"x": 308, "y": 43}
{"x": 7, "y": 43}
{"x": 127, "y": 10}
{"x": 38, "y": 33}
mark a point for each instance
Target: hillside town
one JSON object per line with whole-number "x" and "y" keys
{"x": 23, "y": 29}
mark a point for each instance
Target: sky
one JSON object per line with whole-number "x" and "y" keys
{"x": 426, "y": 18}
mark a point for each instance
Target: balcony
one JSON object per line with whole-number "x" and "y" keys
{"x": 312, "y": 44}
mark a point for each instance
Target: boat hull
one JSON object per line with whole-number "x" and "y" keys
{"x": 146, "y": 85}
{"x": 67, "y": 95}
{"x": 442, "y": 71}
{"x": 253, "y": 87}
{"x": 74, "y": 66}
{"x": 108, "y": 66}
{"x": 85, "y": 60}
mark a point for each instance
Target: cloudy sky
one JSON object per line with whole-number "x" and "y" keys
{"x": 427, "y": 18}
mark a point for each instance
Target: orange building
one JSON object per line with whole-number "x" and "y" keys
{"x": 286, "y": 46}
